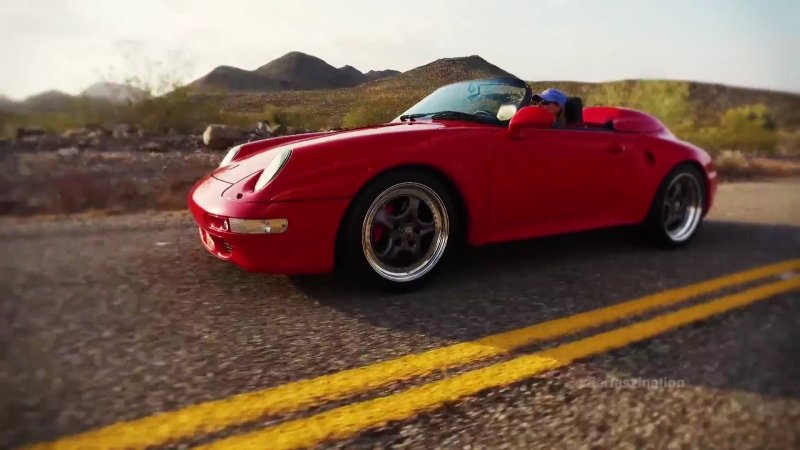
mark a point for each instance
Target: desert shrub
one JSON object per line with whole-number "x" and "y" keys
{"x": 747, "y": 128}
{"x": 53, "y": 122}
{"x": 731, "y": 162}
{"x": 176, "y": 110}
{"x": 789, "y": 142}
{"x": 666, "y": 100}
{"x": 79, "y": 112}
{"x": 370, "y": 111}
{"x": 735, "y": 164}
{"x": 610, "y": 94}
{"x": 295, "y": 117}
{"x": 750, "y": 128}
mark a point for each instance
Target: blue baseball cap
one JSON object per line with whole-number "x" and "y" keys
{"x": 551, "y": 95}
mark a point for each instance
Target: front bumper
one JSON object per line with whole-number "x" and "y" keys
{"x": 307, "y": 246}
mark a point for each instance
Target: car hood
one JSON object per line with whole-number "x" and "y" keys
{"x": 243, "y": 168}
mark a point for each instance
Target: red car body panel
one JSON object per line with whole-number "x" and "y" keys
{"x": 542, "y": 182}
{"x": 307, "y": 246}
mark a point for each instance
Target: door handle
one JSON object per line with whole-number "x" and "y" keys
{"x": 615, "y": 148}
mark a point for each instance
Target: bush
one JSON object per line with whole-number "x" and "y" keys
{"x": 296, "y": 117}
{"x": 732, "y": 164}
{"x": 789, "y": 142}
{"x": 747, "y": 128}
{"x": 176, "y": 110}
{"x": 370, "y": 112}
{"x": 666, "y": 100}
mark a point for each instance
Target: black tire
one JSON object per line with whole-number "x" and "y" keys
{"x": 657, "y": 225}
{"x": 356, "y": 252}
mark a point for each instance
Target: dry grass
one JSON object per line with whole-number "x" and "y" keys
{"x": 119, "y": 181}
{"x": 733, "y": 164}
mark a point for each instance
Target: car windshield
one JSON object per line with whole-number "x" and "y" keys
{"x": 492, "y": 100}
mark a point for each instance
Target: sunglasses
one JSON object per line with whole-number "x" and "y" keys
{"x": 545, "y": 103}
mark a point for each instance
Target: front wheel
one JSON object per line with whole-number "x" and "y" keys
{"x": 399, "y": 229}
{"x": 677, "y": 210}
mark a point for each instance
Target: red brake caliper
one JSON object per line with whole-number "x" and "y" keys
{"x": 379, "y": 229}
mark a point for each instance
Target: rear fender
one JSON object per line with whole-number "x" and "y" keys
{"x": 668, "y": 154}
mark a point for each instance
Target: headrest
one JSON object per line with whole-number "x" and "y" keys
{"x": 506, "y": 112}
{"x": 573, "y": 110}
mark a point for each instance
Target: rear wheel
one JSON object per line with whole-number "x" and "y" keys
{"x": 399, "y": 230}
{"x": 677, "y": 210}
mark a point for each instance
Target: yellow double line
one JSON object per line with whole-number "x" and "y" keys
{"x": 346, "y": 421}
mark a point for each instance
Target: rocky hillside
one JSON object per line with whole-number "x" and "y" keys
{"x": 292, "y": 71}
{"x": 440, "y": 72}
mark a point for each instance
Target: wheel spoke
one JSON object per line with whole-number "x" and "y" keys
{"x": 414, "y": 247}
{"x": 670, "y": 194}
{"x": 679, "y": 190}
{"x": 413, "y": 204}
{"x": 384, "y": 218}
{"x": 395, "y": 252}
{"x": 384, "y": 252}
{"x": 408, "y": 212}
{"x": 426, "y": 228}
{"x": 674, "y": 219}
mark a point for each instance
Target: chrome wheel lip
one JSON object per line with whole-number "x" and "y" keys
{"x": 438, "y": 242}
{"x": 688, "y": 205}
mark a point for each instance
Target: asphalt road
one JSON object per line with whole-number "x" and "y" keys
{"x": 114, "y": 319}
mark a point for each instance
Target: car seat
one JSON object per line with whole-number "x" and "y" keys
{"x": 573, "y": 111}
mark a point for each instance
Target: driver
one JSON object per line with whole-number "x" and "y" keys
{"x": 552, "y": 100}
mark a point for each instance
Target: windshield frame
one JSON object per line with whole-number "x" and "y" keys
{"x": 507, "y": 81}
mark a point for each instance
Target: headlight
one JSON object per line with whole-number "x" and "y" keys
{"x": 231, "y": 154}
{"x": 272, "y": 169}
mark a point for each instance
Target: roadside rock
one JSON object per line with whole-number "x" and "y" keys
{"x": 123, "y": 130}
{"x": 152, "y": 146}
{"x": 277, "y": 130}
{"x": 29, "y": 132}
{"x": 68, "y": 151}
{"x": 75, "y": 133}
{"x": 89, "y": 141}
{"x": 47, "y": 142}
{"x": 220, "y": 137}
{"x": 263, "y": 128}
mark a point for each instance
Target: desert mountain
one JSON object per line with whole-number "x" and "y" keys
{"x": 292, "y": 71}
{"x": 115, "y": 92}
{"x": 7, "y": 104}
{"x": 440, "y": 72}
{"x": 373, "y": 75}
{"x": 52, "y": 100}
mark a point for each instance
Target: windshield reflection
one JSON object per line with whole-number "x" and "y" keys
{"x": 492, "y": 99}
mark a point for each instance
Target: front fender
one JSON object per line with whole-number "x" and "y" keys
{"x": 265, "y": 144}
{"x": 341, "y": 169}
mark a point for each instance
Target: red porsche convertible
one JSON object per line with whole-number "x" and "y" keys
{"x": 471, "y": 163}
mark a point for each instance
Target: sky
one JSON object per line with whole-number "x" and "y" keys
{"x": 69, "y": 44}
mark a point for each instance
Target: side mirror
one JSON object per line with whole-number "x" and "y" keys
{"x": 530, "y": 117}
